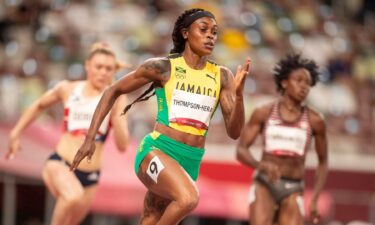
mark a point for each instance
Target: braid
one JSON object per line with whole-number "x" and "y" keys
{"x": 178, "y": 39}
{"x": 141, "y": 98}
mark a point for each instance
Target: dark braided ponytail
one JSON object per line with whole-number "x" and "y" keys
{"x": 141, "y": 98}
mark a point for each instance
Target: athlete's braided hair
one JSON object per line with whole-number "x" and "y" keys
{"x": 178, "y": 39}
{"x": 292, "y": 62}
{"x": 141, "y": 98}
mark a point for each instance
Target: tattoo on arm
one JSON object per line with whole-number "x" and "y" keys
{"x": 225, "y": 80}
{"x": 228, "y": 101}
{"x": 160, "y": 67}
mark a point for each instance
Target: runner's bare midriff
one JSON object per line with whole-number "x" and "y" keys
{"x": 289, "y": 166}
{"x": 68, "y": 147}
{"x": 188, "y": 139}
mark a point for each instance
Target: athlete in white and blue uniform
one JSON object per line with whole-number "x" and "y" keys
{"x": 74, "y": 192}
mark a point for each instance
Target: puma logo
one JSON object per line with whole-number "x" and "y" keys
{"x": 289, "y": 185}
{"x": 93, "y": 176}
{"x": 210, "y": 76}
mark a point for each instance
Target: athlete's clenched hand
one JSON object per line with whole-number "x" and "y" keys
{"x": 314, "y": 213}
{"x": 13, "y": 146}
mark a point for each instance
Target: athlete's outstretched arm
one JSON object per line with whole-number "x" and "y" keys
{"x": 231, "y": 98}
{"x": 152, "y": 70}
{"x": 47, "y": 99}
{"x": 319, "y": 131}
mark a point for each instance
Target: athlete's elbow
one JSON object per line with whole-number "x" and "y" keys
{"x": 239, "y": 156}
{"x": 39, "y": 106}
{"x": 122, "y": 146}
{"x": 234, "y": 131}
{"x": 111, "y": 93}
{"x": 122, "y": 149}
{"x": 234, "y": 135}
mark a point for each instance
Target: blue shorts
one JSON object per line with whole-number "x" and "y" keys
{"x": 85, "y": 178}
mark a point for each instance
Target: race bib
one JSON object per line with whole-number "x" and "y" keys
{"x": 191, "y": 109}
{"x": 282, "y": 138}
{"x": 80, "y": 119}
{"x": 154, "y": 168}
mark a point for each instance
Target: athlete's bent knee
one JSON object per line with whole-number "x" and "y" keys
{"x": 75, "y": 200}
{"x": 188, "y": 202}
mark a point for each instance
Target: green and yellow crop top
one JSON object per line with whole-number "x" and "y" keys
{"x": 189, "y": 99}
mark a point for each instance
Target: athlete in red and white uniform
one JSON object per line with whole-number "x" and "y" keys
{"x": 287, "y": 128}
{"x": 74, "y": 192}
{"x": 78, "y": 112}
{"x": 287, "y": 138}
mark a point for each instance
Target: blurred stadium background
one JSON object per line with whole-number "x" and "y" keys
{"x": 45, "y": 41}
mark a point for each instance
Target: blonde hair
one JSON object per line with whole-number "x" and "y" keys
{"x": 104, "y": 48}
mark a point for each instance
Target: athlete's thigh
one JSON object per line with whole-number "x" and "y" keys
{"x": 292, "y": 210}
{"x": 165, "y": 177}
{"x": 61, "y": 181}
{"x": 154, "y": 207}
{"x": 47, "y": 178}
{"x": 84, "y": 204}
{"x": 89, "y": 194}
{"x": 262, "y": 205}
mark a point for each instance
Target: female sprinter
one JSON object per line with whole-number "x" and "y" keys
{"x": 188, "y": 87}
{"x": 287, "y": 127}
{"x": 74, "y": 192}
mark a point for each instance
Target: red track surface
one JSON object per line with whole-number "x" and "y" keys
{"x": 223, "y": 185}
